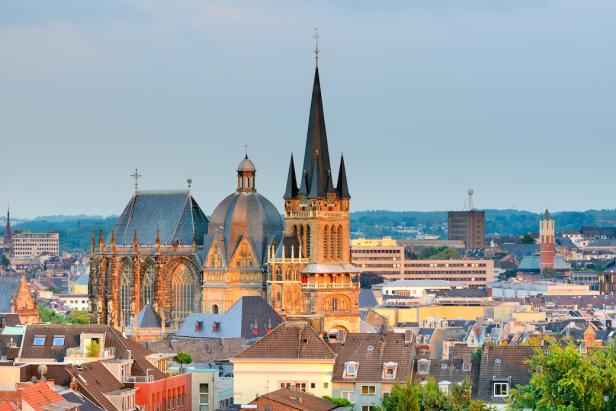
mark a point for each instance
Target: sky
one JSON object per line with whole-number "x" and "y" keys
{"x": 426, "y": 99}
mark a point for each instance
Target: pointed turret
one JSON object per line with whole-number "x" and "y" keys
{"x": 8, "y": 236}
{"x": 342, "y": 187}
{"x": 316, "y": 189}
{"x": 330, "y": 183}
{"x": 303, "y": 190}
{"x": 291, "y": 190}
{"x": 316, "y": 155}
{"x": 546, "y": 215}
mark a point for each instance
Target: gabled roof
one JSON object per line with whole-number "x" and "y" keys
{"x": 78, "y": 398}
{"x": 290, "y": 340}
{"x": 452, "y": 370}
{"x": 72, "y": 334}
{"x": 247, "y": 315}
{"x": 371, "y": 352}
{"x": 298, "y": 400}
{"x": 39, "y": 394}
{"x": 148, "y": 318}
{"x": 503, "y": 363}
{"x": 94, "y": 380}
{"x": 175, "y": 213}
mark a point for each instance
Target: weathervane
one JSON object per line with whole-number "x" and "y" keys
{"x": 136, "y": 176}
{"x": 316, "y": 45}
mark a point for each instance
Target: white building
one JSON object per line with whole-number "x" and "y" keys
{"x": 30, "y": 245}
{"x": 533, "y": 288}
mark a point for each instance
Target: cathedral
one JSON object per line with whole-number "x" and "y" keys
{"x": 164, "y": 254}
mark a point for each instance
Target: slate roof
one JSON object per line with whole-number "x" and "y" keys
{"x": 372, "y": 351}
{"x": 532, "y": 263}
{"x": 9, "y": 319}
{"x": 290, "y": 340}
{"x": 451, "y": 370}
{"x": 82, "y": 279}
{"x": 78, "y": 398}
{"x": 175, "y": 213}
{"x": 608, "y": 242}
{"x": 248, "y": 314}
{"x": 298, "y": 400}
{"x": 520, "y": 250}
{"x": 72, "y": 334}
{"x": 502, "y": 363}
{"x": 148, "y": 318}
{"x": 8, "y": 283}
{"x": 94, "y": 381}
{"x": 245, "y": 215}
{"x": 367, "y": 299}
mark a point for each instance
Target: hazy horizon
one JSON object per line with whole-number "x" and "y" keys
{"x": 515, "y": 99}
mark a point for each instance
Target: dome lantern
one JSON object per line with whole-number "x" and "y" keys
{"x": 246, "y": 175}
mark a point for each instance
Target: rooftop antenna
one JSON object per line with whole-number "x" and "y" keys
{"x": 470, "y": 199}
{"x": 316, "y": 45}
{"x": 136, "y": 176}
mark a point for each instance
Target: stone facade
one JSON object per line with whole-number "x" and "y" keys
{"x": 24, "y": 305}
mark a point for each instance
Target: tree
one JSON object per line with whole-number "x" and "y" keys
{"x": 93, "y": 349}
{"x": 367, "y": 280}
{"x": 564, "y": 378}
{"x": 183, "y": 358}
{"x": 528, "y": 239}
{"x": 403, "y": 397}
{"x": 78, "y": 317}
{"x": 49, "y": 315}
{"x": 340, "y": 402}
{"x": 5, "y": 261}
{"x": 438, "y": 253}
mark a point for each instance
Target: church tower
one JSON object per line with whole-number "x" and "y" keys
{"x": 310, "y": 273}
{"x": 546, "y": 242}
{"x": 8, "y": 237}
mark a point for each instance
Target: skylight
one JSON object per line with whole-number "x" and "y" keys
{"x": 58, "y": 341}
{"x": 39, "y": 340}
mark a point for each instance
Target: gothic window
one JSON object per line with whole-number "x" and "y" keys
{"x": 339, "y": 245}
{"x": 287, "y": 276}
{"x": 126, "y": 279}
{"x": 332, "y": 240}
{"x": 182, "y": 286}
{"x": 326, "y": 242}
{"x": 334, "y": 304}
{"x": 308, "y": 241}
{"x": 148, "y": 286}
{"x": 215, "y": 309}
{"x": 278, "y": 274}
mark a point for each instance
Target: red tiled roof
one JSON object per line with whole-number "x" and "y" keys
{"x": 298, "y": 400}
{"x": 40, "y": 394}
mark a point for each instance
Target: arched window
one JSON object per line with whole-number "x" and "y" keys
{"x": 215, "y": 309}
{"x": 308, "y": 241}
{"x": 183, "y": 288}
{"x": 332, "y": 243}
{"x": 326, "y": 242}
{"x": 148, "y": 286}
{"x": 334, "y": 304}
{"x": 279, "y": 274}
{"x": 339, "y": 247}
{"x": 126, "y": 280}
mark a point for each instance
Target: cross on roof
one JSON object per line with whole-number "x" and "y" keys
{"x": 316, "y": 44}
{"x": 136, "y": 176}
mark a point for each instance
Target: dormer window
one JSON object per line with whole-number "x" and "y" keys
{"x": 58, "y": 341}
{"x": 350, "y": 369}
{"x": 423, "y": 366}
{"x": 501, "y": 389}
{"x": 389, "y": 370}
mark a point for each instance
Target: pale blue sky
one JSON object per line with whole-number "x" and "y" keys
{"x": 516, "y": 99}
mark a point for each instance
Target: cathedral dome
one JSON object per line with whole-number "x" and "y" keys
{"x": 245, "y": 214}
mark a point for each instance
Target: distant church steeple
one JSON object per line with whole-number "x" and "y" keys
{"x": 8, "y": 236}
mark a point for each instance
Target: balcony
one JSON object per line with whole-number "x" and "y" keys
{"x": 316, "y": 214}
{"x": 328, "y": 285}
{"x": 81, "y": 355}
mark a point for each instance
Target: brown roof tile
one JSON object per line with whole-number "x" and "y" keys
{"x": 94, "y": 380}
{"x": 371, "y": 352}
{"x": 290, "y": 340}
{"x": 298, "y": 400}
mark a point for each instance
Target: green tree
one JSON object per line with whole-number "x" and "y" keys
{"x": 460, "y": 395}
{"x": 564, "y": 378}
{"x": 431, "y": 398}
{"x": 93, "y": 349}
{"x": 49, "y": 315}
{"x": 403, "y": 397}
{"x": 78, "y": 317}
{"x": 340, "y": 402}
{"x": 5, "y": 261}
{"x": 183, "y": 358}
{"x": 438, "y": 253}
{"x": 528, "y": 239}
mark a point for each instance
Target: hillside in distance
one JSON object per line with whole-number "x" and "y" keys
{"x": 75, "y": 231}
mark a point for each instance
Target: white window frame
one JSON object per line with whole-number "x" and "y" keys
{"x": 38, "y": 338}
{"x": 500, "y": 383}
{"x": 348, "y": 374}
{"x": 390, "y": 366}
{"x": 348, "y": 395}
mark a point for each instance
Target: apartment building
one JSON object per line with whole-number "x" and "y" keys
{"x": 30, "y": 245}
{"x": 467, "y": 226}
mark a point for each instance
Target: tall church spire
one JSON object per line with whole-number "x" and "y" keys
{"x": 316, "y": 155}
{"x": 8, "y": 235}
{"x": 342, "y": 187}
{"x": 291, "y": 190}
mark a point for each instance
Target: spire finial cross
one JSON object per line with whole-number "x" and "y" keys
{"x": 316, "y": 45}
{"x": 189, "y": 182}
{"x": 246, "y": 150}
{"x": 136, "y": 176}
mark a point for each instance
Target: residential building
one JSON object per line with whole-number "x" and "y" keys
{"x": 467, "y": 226}
{"x": 368, "y": 365}
{"x": 292, "y": 356}
{"x": 212, "y": 385}
{"x": 79, "y": 302}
